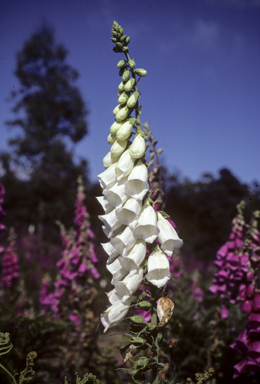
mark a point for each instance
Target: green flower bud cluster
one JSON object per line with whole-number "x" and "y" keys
{"x": 121, "y": 41}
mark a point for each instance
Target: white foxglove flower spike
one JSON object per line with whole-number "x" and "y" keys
{"x": 158, "y": 267}
{"x": 168, "y": 237}
{"x": 124, "y": 241}
{"x": 129, "y": 284}
{"x": 116, "y": 195}
{"x": 115, "y": 313}
{"x": 129, "y": 211}
{"x": 105, "y": 204}
{"x": 137, "y": 184}
{"x": 124, "y": 165}
{"x": 146, "y": 226}
{"x": 137, "y": 149}
{"x": 135, "y": 256}
{"x": 108, "y": 177}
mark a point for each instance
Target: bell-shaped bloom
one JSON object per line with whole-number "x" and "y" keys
{"x": 137, "y": 149}
{"x": 158, "y": 268}
{"x": 129, "y": 284}
{"x": 124, "y": 241}
{"x": 105, "y": 204}
{"x": 109, "y": 159}
{"x": 164, "y": 309}
{"x": 118, "y": 147}
{"x": 146, "y": 226}
{"x": 116, "y": 195}
{"x": 113, "y": 296}
{"x": 117, "y": 270}
{"x": 125, "y": 130}
{"x": 127, "y": 213}
{"x": 135, "y": 256}
{"x": 108, "y": 177}
{"x": 115, "y": 127}
{"x": 137, "y": 183}
{"x": 112, "y": 233}
{"x": 124, "y": 165}
{"x": 115, "y": 313}
{"x": 110, "y": 221}
{"x": 167, "y": 236}
{"x": 111, "y": 251}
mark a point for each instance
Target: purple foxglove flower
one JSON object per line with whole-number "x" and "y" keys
{"x": 146, "y": 227}
{"x": 124, "y": 165}
{"x": 224, "y": 312}
{"x": 115, "y": 313}
{"x": 116, "y": 194}
{"x": 127, "y": 213}
{"x": 158, "y": 268}
{"x": 137, "y": 184}
{"x": 254, "y": 349}
{"x": 167, "y": 236}
{"x": 246, "y": 306}
{"x": 124, "y": 241}
{"x": 241, "y": 343}
{"x": 256, "y": 302}
{"x": 239, "y": 368}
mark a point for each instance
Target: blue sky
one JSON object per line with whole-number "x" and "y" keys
{"x": 201, "y": 95}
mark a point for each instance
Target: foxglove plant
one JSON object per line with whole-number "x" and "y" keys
{"x": 132, "y": 225}
{"x": 236, "y": 281}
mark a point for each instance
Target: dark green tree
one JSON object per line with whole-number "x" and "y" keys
{"x": 51, "y": 117}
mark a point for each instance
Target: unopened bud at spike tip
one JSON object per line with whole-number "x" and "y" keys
{"x": 141, "y": 72}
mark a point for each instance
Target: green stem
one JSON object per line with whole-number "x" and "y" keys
{"x": 154, "y": 320}
{"x": 8, "y": 373}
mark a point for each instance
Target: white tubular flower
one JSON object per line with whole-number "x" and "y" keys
{"x": 111, "y": 222}
{"x": 111, "y": 251}
{"x": 124, "y": 165}
{"x": 108, "y": 177}
{"x": 109, "y": 159}
{"x": 137, "y": 149}
{"x": 116, "y": 195}
{"x": 112, "y": 233}
{"x": 117, "y": 270}
{"x": 105, "y": 204}
{"x": 125, "y": 130}
{"x": 111, "y": 139}
{"x": 124, "y": 241}
{"x": 118, "y": 147}
{"x": 158, "y": 268}
{"x": 113, "y": 296}
{"x": 168, "y": 237}
{"x": 130, "y": 284}
{"x": 146, "y": 226}
{"x": 115, "y": 313}
{"x": 129, "y": 211}
{"x": 137, "y": 183}
{"x": 135, "y": 256}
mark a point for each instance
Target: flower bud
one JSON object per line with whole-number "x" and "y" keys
{"x": 125, "y": 130}
{"x": 118, "y": 147}
{"x": 111, "y": 139}
{"x": 141, "y": 72}
{"x": 132, "y": 100}
{"x": 123, "y": 98}
{"x": 126, "y": 76}
{"x": 129, "y": 84}
{"x": 121, "y": 87}
{"x": 115, "y": 127}
{"x": 131, "y": 64}
{"x": 117, "y": 109}
{"x": 124, "y": 165}
{"x": 137, "y": 148}
{"x": 122, "y": 114}
{"x": 120, "y": 64}
{"x": 109, "y": 160}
